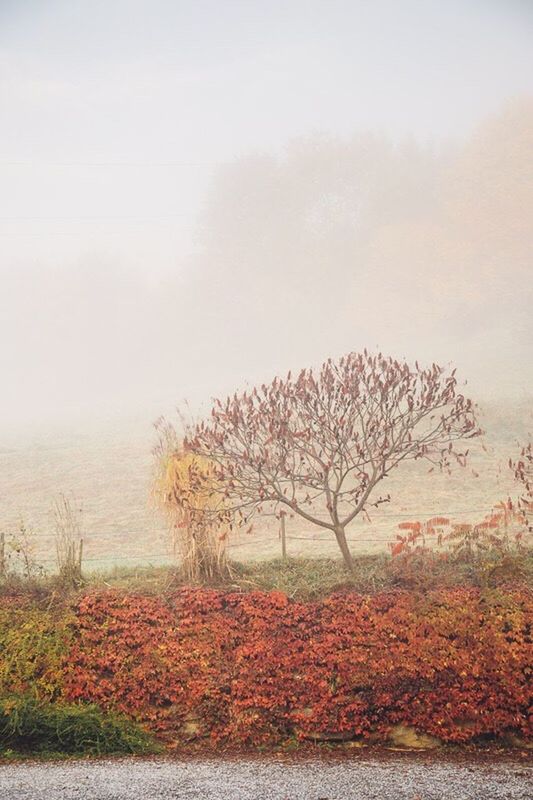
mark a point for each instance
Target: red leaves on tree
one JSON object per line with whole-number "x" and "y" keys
{"x": 320, "y": 444}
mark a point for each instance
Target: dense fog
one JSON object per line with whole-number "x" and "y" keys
{"x": 305, "y": 180}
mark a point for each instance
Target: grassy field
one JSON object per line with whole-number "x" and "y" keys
{"x": 109, "y": 469}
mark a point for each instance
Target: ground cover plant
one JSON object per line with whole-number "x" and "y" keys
{"x": 35, "y": 638}
{"x": 33, "y": 727}
{"x": 221, "y": 668}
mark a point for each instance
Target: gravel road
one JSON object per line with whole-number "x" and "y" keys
{"x": 413, "y": 777}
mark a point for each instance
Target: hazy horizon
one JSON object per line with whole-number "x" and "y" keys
{"x": 194, "y": 197}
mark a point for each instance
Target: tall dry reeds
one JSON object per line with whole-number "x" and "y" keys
{"x": 185, "y": 488}
{"x": 66, "y": 515}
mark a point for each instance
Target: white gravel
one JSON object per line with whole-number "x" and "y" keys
{"x": 269, "y": 778}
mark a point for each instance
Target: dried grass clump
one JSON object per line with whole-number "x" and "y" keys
{"x": 18, "y": 561}
{"x": 69, "y": 543}
{"x": 187, "y": 489}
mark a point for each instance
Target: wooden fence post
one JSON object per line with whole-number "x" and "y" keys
{"x": 2, "y": 555}
{"x": 283, "y": 537}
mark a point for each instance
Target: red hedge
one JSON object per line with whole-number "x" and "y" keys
{"x": 252, "y": 668}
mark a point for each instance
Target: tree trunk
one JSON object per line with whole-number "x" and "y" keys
{"x": 345, "y": 550}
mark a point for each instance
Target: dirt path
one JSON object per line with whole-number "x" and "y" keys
{"x": 363, "y": 777}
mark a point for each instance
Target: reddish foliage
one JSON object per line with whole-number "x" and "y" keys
{"x": 321, "y": 443}
{"x": 502, "y": 531}
{"x": 414, "y": 541}
{"x": 252, "y": 668}
{"x": 523, "y": 472}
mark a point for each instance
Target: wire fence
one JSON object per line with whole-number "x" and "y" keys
{"x": 378, "y": 518}
{"x": 271, "y": 540}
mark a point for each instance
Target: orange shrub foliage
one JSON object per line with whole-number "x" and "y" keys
{"x": 254, "y": 668}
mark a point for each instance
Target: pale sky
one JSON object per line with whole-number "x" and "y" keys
{"x": 118, "y": 120}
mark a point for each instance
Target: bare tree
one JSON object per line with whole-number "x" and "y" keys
{"x": 327, "y": 440}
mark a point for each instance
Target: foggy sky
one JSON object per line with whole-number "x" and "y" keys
{"x": 198, "y": 194}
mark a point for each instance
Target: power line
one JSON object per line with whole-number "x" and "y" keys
{"x": 75, "y": 232}
{"x": 95, "y": 218}
{"x": 136, "y": 164}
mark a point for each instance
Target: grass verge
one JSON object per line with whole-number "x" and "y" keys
{"x": 29, "y": 727}
{"x": 301, "y": 578}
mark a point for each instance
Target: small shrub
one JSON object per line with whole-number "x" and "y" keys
{"x": 28, "y": 725}
{"x": 17, "y": 555}
{"x": 33, "y": 643}
{"x": 523, "y": 472}
{"x": 488, "y": 553}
